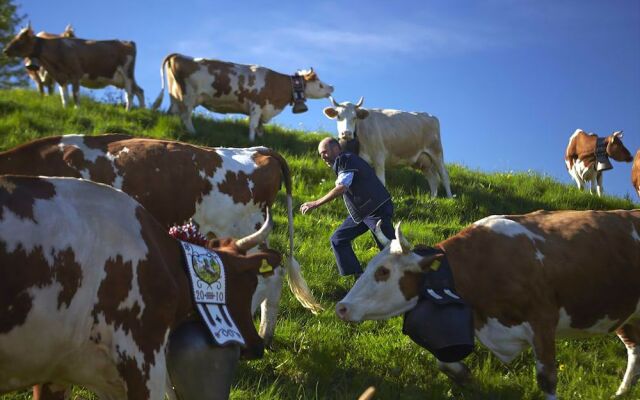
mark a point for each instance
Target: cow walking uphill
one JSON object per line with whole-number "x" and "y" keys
{"x": 96, "y": 293}
{"x": 231, "y": 88}
{"x": 36, "y": 72}
{"x": 587, "y": 157}
{"x": 224, "y": 190}
{"x": 90, "y": 63}
{"x": 527, "y": 278}
{"x": 389, "y": 137}
{"x": 635, "y": 173}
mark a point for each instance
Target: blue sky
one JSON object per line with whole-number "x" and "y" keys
{"x": 510, "y": 80}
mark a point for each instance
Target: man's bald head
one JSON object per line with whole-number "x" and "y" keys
{"x": 329, "y": 149}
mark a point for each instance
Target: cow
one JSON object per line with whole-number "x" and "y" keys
{"x": 635, "y": 172}
{"x": 390, "y": 137}
{"x": 587, "y": 155}
{"x": 90, "y": 63}
{"x": 38, "y": 74}
{"x": 528, "y": 279}
{"x": 96, "y": 292}
{"x": 224, "y": 190}
{"x": 226, "y": 87}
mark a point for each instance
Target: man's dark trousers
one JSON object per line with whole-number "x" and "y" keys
{"x": 348, "y": 263}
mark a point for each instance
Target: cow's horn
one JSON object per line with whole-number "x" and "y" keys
{"x": 359, "y": 103}
{"x": 400, "y": 245}
{"x": 258, "y": 237}
{"x": 382, "y": 238}
{"x": 333, "y": 101}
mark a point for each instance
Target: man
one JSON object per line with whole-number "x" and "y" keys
{"x": 366, "y": 198}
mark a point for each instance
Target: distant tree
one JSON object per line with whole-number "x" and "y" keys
{"x": 12, "y": 71}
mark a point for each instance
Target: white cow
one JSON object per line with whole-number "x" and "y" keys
{"x": 393, "y": 137}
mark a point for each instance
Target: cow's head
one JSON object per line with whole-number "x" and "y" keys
{"x": 68, "y": 32}
{"x": 23, "y": 44}
{"x": 390, "y": 285}
{"x": 314, "y": 88}
{"x": 615, "y": 148}
{"x": 346, "y": 115}
{"x": 242, "y": 279}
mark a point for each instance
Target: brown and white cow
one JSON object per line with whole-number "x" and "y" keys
{"x": 528, "y": 279}
{"x": 580, "y": 157}
{"x": 79, "y": 62}
{"x": 36, "y": 72}
{"x": 231, "y": 88}
{"x": 635, "y": 172}
{"x": 96, "y": 292}
{"x": 390, "y": 137}
{"x": 224, "y": 190}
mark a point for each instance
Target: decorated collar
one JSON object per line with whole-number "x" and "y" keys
{"x": 298, "y": 99}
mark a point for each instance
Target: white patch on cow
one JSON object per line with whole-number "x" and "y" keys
{"x": 113, "y": 157}
{"x": 237, "y": 219}
{"x": 269, "y": 111}
{"x": 539, "y": 255}
{"x": 198, "y": 59}
{"x": 77, "y": 141}
{"x": 506, "y": 342}
{"x": 601, "y": 327}
{"x": 80, "y": 221}
{"x": 634, "y": 234}
{"x": 504, "y": 226}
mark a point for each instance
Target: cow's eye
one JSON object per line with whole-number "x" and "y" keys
{"x": 382, "y": 274}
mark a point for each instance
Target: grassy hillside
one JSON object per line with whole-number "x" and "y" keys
{"x": 318, "y": 357}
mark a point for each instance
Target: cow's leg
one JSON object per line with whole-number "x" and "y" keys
{"x": 128, "y": 89}
{"x": 444, "y": 177}
{"x": 185, "y": 109}
{"x": 50, "y": 88}
{"x": 599, "y": 189}
{"x": 64, "y": 95}
{"x": 457, "y": 371}
{"x": 378, "y": 166}
{"x": 254, "y": 120}
{"x": 630, "y": 336}
{"x": 139, "y": 93}
{"x": 270, "y": 296}
{"x": 544, "y": 348}
{"x": 75, "y": 88}
{"x": 51, "y": 391}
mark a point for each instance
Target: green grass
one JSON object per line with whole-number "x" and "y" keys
{"x": 319, "y": 357}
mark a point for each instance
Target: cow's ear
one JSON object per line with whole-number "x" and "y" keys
{"x": 362, "y": 113}
{"x": 261, "y": 263}
{"x": 430, "y": 262}
{"x": 330, "y": 112}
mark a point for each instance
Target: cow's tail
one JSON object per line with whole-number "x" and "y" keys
{"x": 297, "y": 283}
{"x": 158, "y": 101}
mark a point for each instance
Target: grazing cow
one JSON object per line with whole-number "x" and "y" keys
{"x": 392, "y": 137}
{"x": 226, "y": 87}
{"x": 587, "y": 157}
{"x": 37, "y": 73}
{"x": 97, "y": 293}
{"x": 224, "y": 190}
{"x": 90, "y": 63}
{"x": 635, "y": 172}
{"x": 527, "y": 278}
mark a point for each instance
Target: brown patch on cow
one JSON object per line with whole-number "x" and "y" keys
{"x": 382, "y": 274}
{"x": 236, "y": 185}
{"x": 267, "y": 177}
{"x": 410, "y": 284}
{"x": 18, "y": 195}
{"x": 33, "y": 271}
{"x": 154, "y": 170}
{"x": 135, "y": 379}
{"x": 69, "y": 274}
{"x": 221, "y": 72}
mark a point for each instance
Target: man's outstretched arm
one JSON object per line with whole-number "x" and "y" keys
{"x": 337, "y": 191}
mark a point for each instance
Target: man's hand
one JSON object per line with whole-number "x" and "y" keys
{"x": 308, "y": 206}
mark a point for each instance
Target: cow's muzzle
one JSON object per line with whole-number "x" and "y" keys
{"x": 346, "y": 135}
